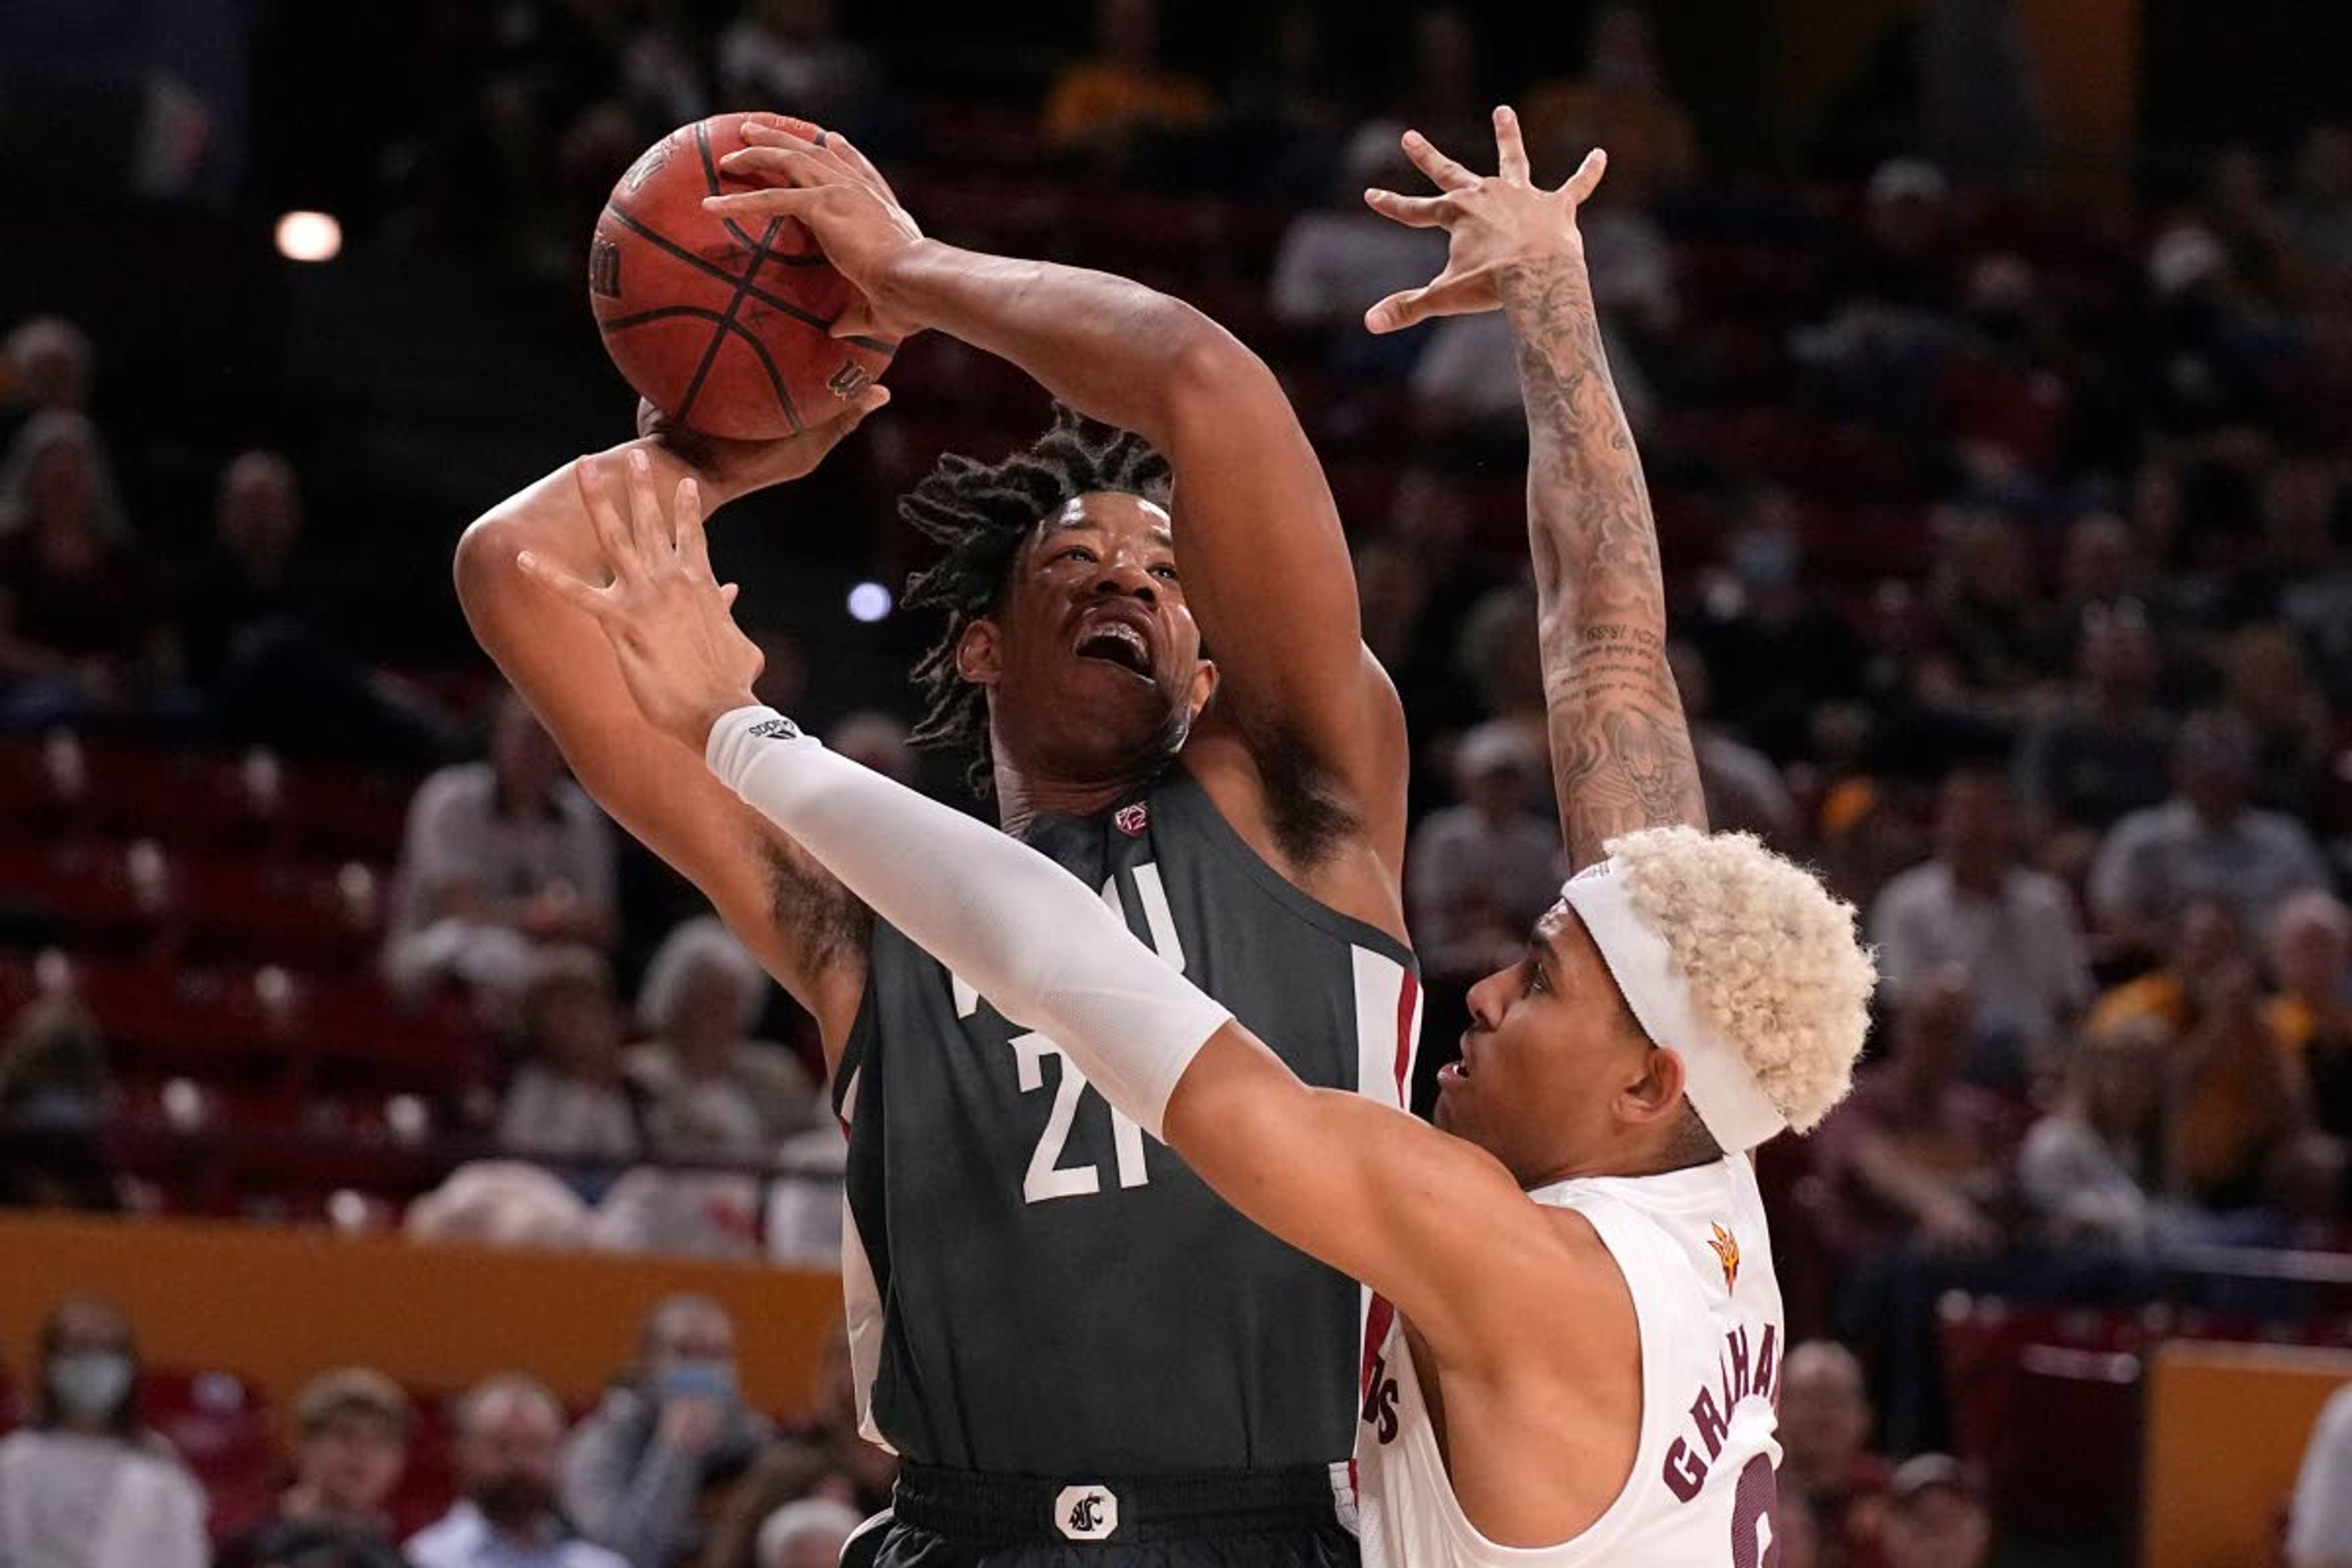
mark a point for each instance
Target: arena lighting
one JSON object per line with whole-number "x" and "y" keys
{"x": 869, "y": 601}
{"x": 309, "y": 237}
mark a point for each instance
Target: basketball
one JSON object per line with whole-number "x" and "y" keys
{"x": 722, "y": 325}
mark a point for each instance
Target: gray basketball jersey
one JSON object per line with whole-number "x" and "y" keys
{"x": 1037, "y": 1287}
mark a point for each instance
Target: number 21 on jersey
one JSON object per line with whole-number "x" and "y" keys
{"x": 1047, "y": 1177}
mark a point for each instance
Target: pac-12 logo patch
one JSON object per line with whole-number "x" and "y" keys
{"x": 1132, "y": 820}
{"x": 1726, "y": 1247}
{"x": 1087, "y": 1513}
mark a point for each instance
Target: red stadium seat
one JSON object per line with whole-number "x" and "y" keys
{"x": 230, "y": 907}
{"x": 87, "y": 892}
{"x": 2047, "y": 1400}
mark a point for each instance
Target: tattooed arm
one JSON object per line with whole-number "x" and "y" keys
{"x": 1620, "y": 747}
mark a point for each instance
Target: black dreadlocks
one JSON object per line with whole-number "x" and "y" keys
{"x": 981, "y": 514}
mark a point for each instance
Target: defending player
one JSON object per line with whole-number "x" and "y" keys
{"x": 1584, "y": 1362}
{"x": 1039, "y": 1298}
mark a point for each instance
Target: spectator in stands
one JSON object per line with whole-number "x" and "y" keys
{"x": 2103, "y": 751}
{"x": 1915, "y": 1153}
{"x": 84, "y": 1485}
{"x": 500, "y": 1202}
{"x": 1623, "y": 103}
{"x": 790, "y": 55}
{"x": 498, "y": 857}
{"x": 2232, "y": 1093}
{"x": 2310, "y": 1014}
{"x": 1112, "y": 109}
{"x": 809, "y": 1534}
{"x": 1500, "y": 654}
{"x": 2011, "y": 931}
{"x": 2301, "y": 575}
{"x": 641, "y": 1472}
{"x": 1777, "y": 652}
{"x": 352, "y": 1429}
{"x": 2271, "y": 685}
{"x": 510, "y": 1432}
{"x": 2207, "y": 840}
{"x": 1745, "y": 793}
{"x": 84, "y": 631}
{"x": 851, "y": 1469}
{"x": 1988, "y": 614}
{"x": 44, "y": 364}
{"x": 251, "y": 624}
{"x": 2100, "y": 567}
{"x": 1826, "y": 1463}
{"x": 571, "y": 1100}
{"x": 1441, "y": 94}
{"x": 2319, "y": 1519}
{"x": 702, "y": 995}
{"x": 1915, "y": 1169}
{"x": 1287, "y": 108}
{"x": 1338, "y": 260}
{"x": 1936, "y": 1516}
{"x": 803, "y": 1229}
{"x": 2319, "y": 210}
{"x": 1481, "y": 872}
{"x": 2091, "y": 1172}
{"x": 53, "y": 1066}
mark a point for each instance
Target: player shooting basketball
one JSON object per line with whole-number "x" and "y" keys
{"x": 1039, "y": 1298}
{"x": 1587, "y": 1352}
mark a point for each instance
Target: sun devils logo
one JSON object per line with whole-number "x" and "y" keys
{"x": 1133, "y": 819}
{"x": 1726, "y": 1247}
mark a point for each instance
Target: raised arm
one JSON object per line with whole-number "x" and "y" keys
{"x": 1308, "y": 1164}
{"x": 1258, "y": 541}
{"x": 807, "y": 931}
{"x": 1620, "y": 747}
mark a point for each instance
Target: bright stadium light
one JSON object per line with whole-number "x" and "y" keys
{"x": 309, "y": 237}
{"x": 869, "y": 601}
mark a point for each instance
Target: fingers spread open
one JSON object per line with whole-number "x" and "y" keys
{"x": 778, "y": 201}
{"x": 571, "y": 590}
{"x": 646, "y": 524}
{"x": 604, "y": 518}
{"x": 693, "y": 542}
{"x": 1510, "y": 148}
{"x": 1587, "y": 177}
{"x": 1443, "y": 171}
{"x": 1415, "y": 212}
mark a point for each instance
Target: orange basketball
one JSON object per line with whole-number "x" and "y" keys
{"x": 722, "y": 324}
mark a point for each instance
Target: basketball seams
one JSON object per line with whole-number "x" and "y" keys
{"x": 689, "y": 298}
{"x": 726, "y": 323}
{"x": 710, "y": 268}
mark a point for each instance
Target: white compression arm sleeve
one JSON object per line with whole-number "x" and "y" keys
{"x": 1021, "y": 930}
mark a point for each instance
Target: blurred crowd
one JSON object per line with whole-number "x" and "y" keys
{"x": 668, "y": 1469}
{"x": 2008, "y": 540}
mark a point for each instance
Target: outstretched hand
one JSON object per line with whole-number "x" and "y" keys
{"x": 1495, "y": 225}
{"x": 837, "y": 192}
{"x": 683, "y": 657}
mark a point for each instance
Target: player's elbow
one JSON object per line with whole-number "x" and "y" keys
{"x": 484, "y": 568}
{"x": 1213, "y": 379}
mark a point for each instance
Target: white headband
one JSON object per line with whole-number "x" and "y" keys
{"x": 1715, "y": 1077}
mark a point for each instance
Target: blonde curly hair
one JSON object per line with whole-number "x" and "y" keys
{"x": 1770, "y": 957}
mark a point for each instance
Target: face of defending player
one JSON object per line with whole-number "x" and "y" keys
{"x": 1091, "y": 660}
{"x": 1556, "y": 1078}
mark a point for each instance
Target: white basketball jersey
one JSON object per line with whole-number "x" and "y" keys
{"x": 1696, "y": 1257}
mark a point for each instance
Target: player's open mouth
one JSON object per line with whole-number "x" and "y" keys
{"x": 1115, "y": 642}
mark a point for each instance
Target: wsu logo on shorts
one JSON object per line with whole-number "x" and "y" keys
{"x": 1085, "y": 1513}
